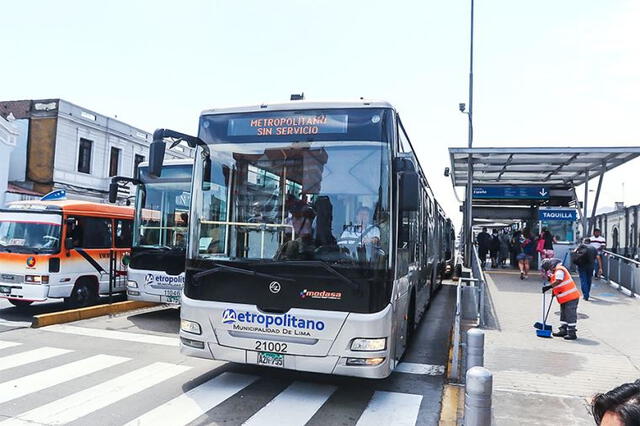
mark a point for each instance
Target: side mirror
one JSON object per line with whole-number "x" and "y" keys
{"x": 68, "y": 243}
{"x": 409, "y": 192}
{"x": 206, "y": 173}
{"x": 113, "y": 192}
{"x": 156, "y": 157}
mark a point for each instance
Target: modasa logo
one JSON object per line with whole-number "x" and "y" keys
{"x": 230, "y": 316}
{"x": 31, "y": 261}
{"x": 321, "y": 294}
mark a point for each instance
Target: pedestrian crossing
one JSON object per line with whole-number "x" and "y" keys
{"x": 105, "y": 382}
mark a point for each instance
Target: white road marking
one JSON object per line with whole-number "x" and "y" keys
{"x": 196, "y": 402}
{"x": 22, "y": 386}
{"x": 22, "y": 358}
{"x": 112, "y": 334}
{"x": 80, "y": 404}
{"x": 414, "y": 368}
{"x": 22, "y": 324}
{"x": 5, "y": 345}
{"x": 391, "y": 408}
{"x": 294, "y": 406}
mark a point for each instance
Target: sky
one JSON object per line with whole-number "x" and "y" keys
{"x": 546, "y": 72}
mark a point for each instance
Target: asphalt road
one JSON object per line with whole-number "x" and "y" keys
{"x": 127, "y": 368}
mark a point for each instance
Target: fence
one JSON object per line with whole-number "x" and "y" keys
{"x": 622, "y": 271}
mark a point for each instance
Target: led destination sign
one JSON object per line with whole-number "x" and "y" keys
{"x": 291, "y": 124}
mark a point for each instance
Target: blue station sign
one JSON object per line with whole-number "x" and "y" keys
{"x": 502, "y": 192}
{"x": 557, "y": 214}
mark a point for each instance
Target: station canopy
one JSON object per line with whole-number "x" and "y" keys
{"x": 552, "y": 167}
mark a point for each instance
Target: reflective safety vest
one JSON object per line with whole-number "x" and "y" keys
{"x": 567, "y": 290}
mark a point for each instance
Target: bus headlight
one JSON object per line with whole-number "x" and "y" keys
{"x": 132, "y": 284}
{"x": 369, "y": 344}
{"x": 364, "y": 361}
{"x": 190, "y": 327}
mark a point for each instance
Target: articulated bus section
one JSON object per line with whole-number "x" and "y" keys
{"x": 315, "y": 241}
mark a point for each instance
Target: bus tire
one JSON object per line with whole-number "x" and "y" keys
{"x": 20, "y": 303}
{"x": 83, "y": 295}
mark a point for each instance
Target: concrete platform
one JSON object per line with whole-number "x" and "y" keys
{"x": 541, "y": 381}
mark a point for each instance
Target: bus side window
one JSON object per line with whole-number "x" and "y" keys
{"x": 123, "y": 233}
{"x": 94, "y": 233}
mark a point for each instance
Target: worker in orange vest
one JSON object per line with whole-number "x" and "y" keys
{"x": 566, "y": 291}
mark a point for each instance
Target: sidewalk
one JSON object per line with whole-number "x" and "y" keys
{"x": 539, "y": 381}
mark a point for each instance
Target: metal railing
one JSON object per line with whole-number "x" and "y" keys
{"x": 622, "y": 271}
{"x": 470, "y": 305}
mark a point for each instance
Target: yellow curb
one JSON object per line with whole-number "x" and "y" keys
{"x": 88, "y": 312}
{"x": 450, "y": 401}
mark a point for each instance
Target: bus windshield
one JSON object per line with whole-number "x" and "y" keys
{"x": 23, "y": 232}
{"x": 162, "y": 207}
{"x": 320, "y": 201}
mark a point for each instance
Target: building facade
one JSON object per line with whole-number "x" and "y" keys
{"x": 620, "y": 229}
{"x": 61, "y": 145}
{"x": 8, "y": 138}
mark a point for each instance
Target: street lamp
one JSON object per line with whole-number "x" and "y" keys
{"x": 469, "y": 195}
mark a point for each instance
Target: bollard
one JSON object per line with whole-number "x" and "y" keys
{"x": 477, "y": 397}
{"x": 475, "y": 348}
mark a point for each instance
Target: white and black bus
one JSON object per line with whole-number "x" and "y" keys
{"x": 315, "y": 241}
{"x": 156, "y": 265}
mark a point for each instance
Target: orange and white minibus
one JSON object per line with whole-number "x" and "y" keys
{"x": 62, "y": 249}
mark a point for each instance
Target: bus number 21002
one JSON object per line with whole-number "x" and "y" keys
{"x": 270, "y": 346}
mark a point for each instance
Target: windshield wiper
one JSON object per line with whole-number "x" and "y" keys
{"x": 327, "y": 267}
{"x": 227, "y": 268}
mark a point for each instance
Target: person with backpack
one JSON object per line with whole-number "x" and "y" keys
{"x": 584, "y": 257}
{"x": 527, "y": 250}
{"x": 544, "y": 245}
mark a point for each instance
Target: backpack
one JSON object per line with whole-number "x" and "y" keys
{"x": 580, "y": 255}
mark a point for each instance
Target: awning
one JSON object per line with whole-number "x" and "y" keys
{"x": 552, "y": 167}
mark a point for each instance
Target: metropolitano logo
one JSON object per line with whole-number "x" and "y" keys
{"x": 148, "y": 279}
{"x": 229, "y": 316}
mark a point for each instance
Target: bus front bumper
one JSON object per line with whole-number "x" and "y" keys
{"x": 25, "y": 292}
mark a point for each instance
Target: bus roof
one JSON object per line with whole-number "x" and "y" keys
{"x": 74, "y": 207}
{"x": 172, "y": 162}
{"x": 299, "y": 105}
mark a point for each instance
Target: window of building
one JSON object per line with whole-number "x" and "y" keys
{"x": 114, "y": 161}
{"x": 84, "y": 156}
{"x": 136, "y": 161}
{"x": 123, "y": 233}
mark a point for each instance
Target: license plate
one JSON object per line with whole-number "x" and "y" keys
{"x": 172, "y": 299}
{"x": 173, "y": 293}
{"x": 270, "y": 359}
{"x": 5, "y": 289}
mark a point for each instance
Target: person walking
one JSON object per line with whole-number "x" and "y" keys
{"x": 565, "y": 290}
{"x": 505, "y": 248}
{"x": 584, "y": 257}
{"x": 484, "y": 243}
{"x": 494, "y": 248}
{"x": 528, "y": 247}
{"x": 598, "y": 242}
{"x": 547, "y": 251}
{"x": 516, "y": 248}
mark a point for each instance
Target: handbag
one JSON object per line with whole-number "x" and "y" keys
{"x": 540, "y": 246}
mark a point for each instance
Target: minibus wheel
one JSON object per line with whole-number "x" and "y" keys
{"x": 20, "y": 303}
{"x": 81, "y": 296}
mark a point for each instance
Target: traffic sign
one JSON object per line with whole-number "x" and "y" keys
{"x": 511, "y": 192}
{"x": 557, "y": 214}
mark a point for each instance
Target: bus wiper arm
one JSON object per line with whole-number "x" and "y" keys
{"x": 353, "y": 284}
{"x": 226, "y": 268}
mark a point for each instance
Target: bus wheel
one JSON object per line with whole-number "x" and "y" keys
{"x": 82, "y": 296}
{"x": 20, "y": 303}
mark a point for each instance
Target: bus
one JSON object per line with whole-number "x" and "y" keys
{"x": 315, "y": 241}
{"x": 156, "y": 267}
{"x": 63, "y": 249}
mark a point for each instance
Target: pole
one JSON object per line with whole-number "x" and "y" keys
{"x": 477, "y": 398}
{"x": 475, "y": 348}
{"x": 469, "y": 198}
{"x": 585, "y": 212}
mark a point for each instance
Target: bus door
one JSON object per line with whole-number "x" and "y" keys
{"x": 92, "y": 239}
